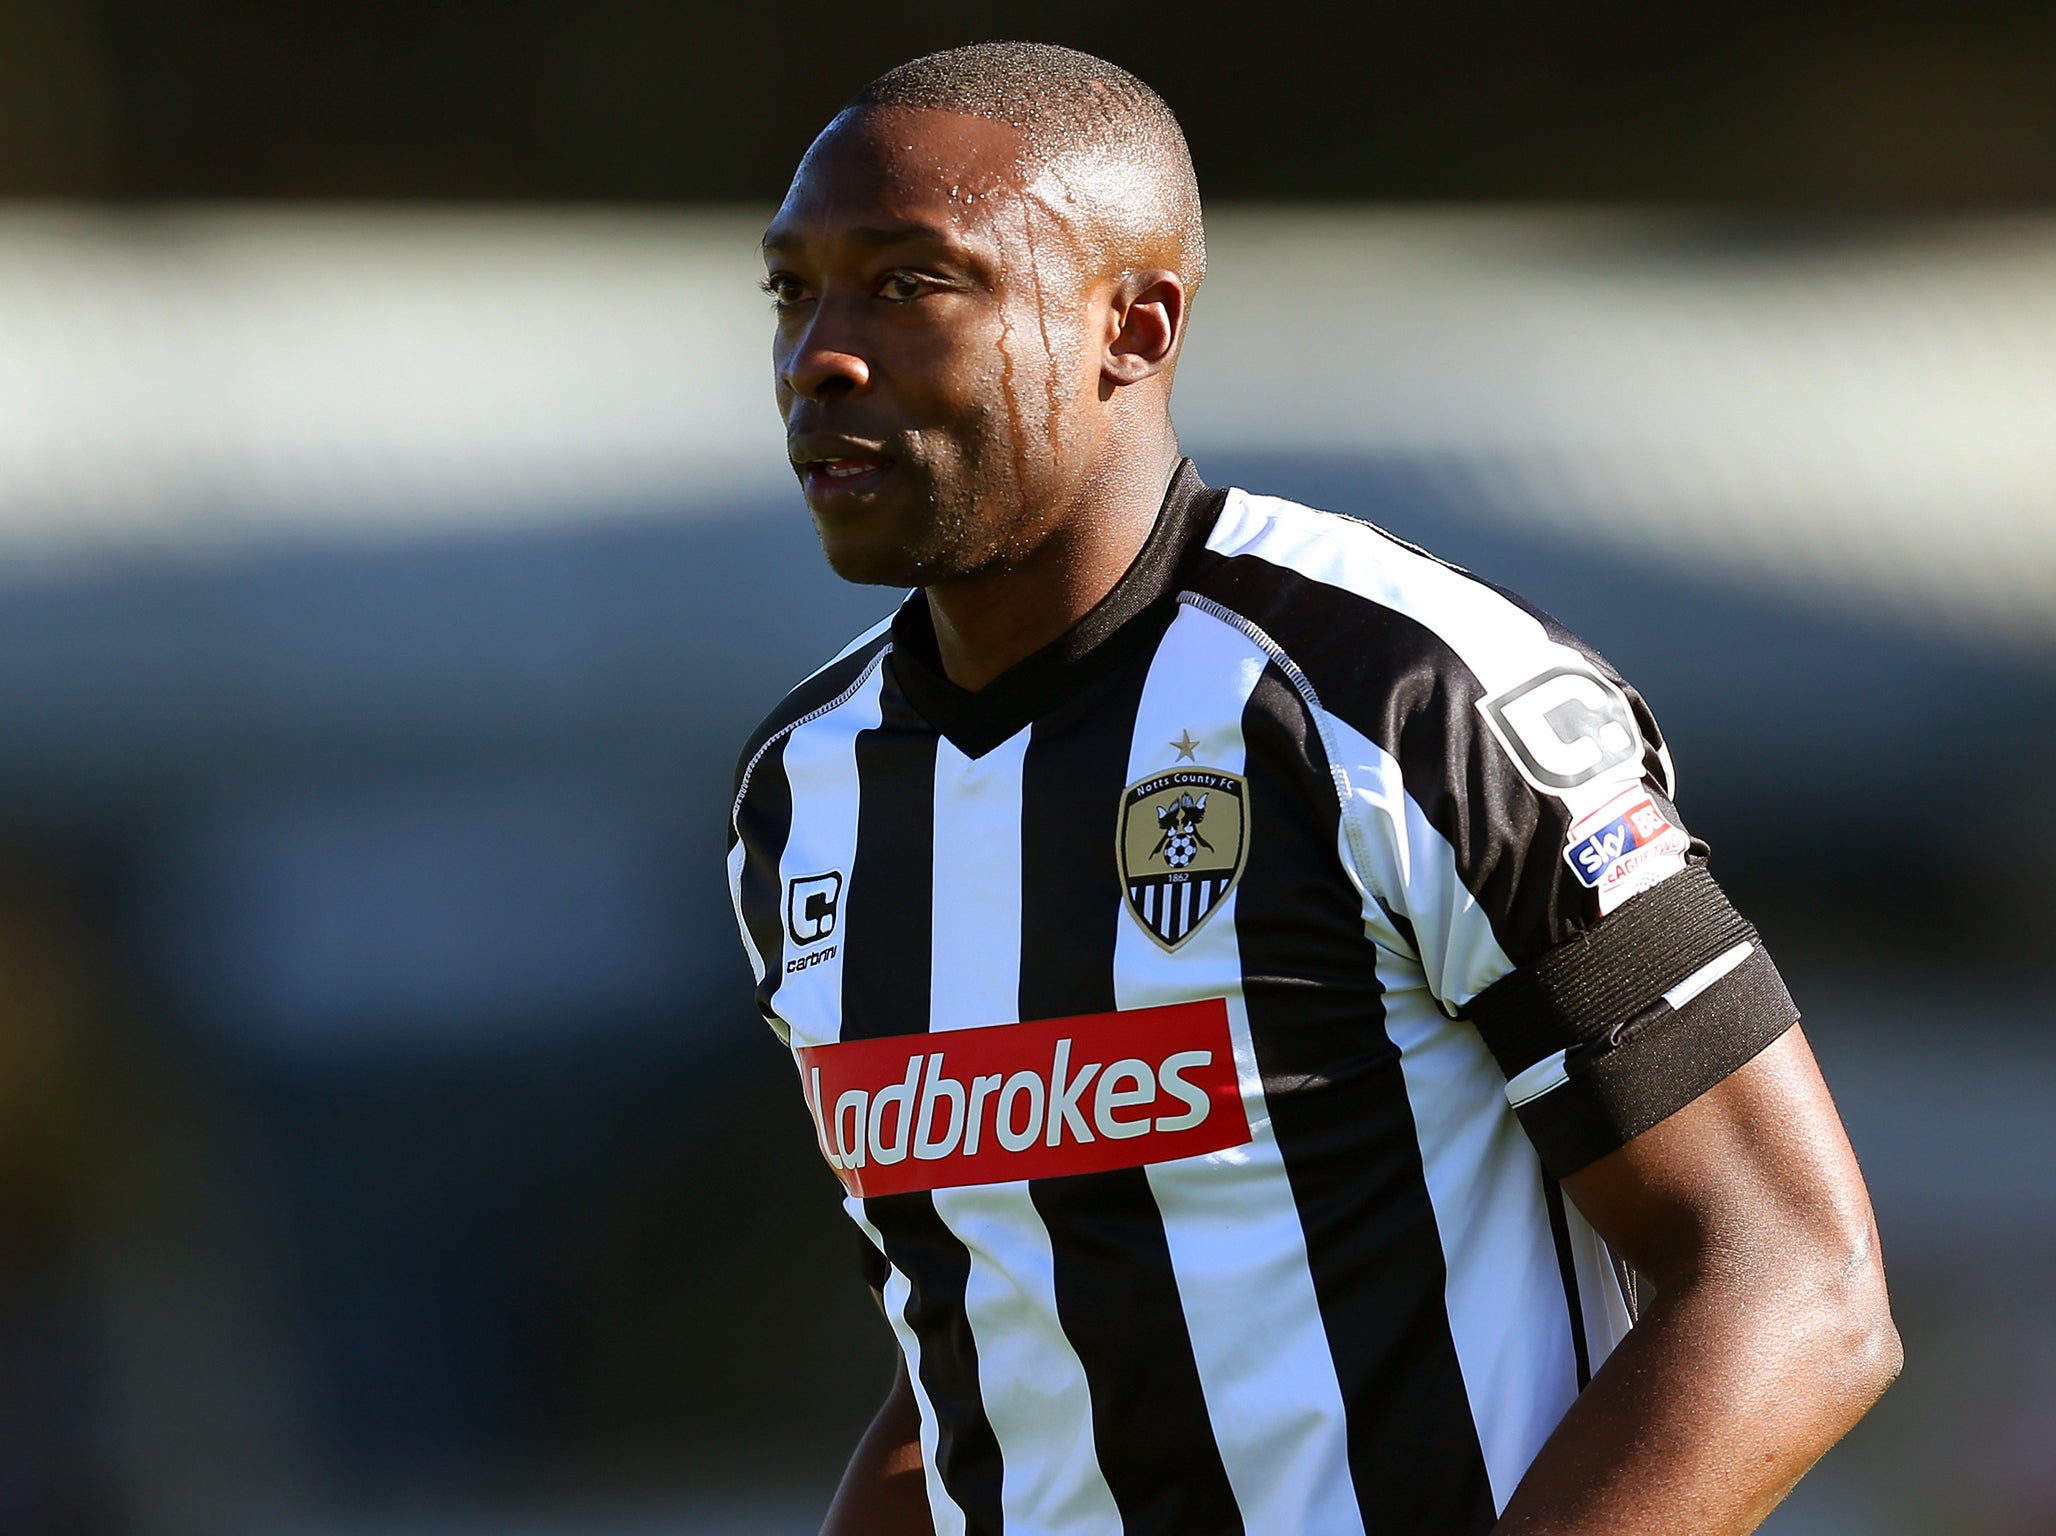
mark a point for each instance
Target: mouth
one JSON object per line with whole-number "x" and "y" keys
{"x": 840, "y": 472}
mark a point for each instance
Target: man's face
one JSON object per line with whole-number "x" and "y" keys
{"x": 929, "y": 352}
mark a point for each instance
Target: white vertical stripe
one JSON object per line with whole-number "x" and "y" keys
{"x": 737, "y": 857}
{"x": 977, "y": 917}
{"x": 1504, "y": 1293}
{"x": 943, "y": 1512}
{"x": 1414, "y": 867}
{"x": 821, "y": 766}
{"x": 1508, "y": 1315}
{"x": 1229, "y": 1219}
{"x": 1036, "y": 1396}
{"x": 1599, "y": 1288}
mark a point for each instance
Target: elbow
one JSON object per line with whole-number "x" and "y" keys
{"x": 1876, "y": 1355}
{"x": 1871, "y": 1355}
{"x": 1856, "y": 1343}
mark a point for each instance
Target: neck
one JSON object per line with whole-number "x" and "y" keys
{"x": 987, "y": 623}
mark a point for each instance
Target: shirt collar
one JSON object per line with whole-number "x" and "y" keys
{"x": 1129, "y": 617}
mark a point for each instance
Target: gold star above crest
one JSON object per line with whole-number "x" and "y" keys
{"x": 1185, "y": 744}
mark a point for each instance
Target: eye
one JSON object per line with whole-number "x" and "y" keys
{"x": 785, "y": 289}
{"x": 904, "y": 287}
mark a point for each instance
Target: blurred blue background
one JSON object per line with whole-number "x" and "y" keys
{"x": 387, "y": 1143}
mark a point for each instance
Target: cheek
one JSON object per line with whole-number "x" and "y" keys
{"x": 998, "y": 392}
{"x": 969, "y": 385}
{"x": 1073, "y": 356}
{"x": 1047, "y": 358}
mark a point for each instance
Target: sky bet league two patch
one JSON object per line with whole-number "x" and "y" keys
{"x": 1625, "y": 846}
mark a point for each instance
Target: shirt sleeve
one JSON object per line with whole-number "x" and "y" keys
{"x": 1523, "y": 844}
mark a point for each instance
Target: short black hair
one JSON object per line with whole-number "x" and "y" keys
{"x": 1068, "y": 106}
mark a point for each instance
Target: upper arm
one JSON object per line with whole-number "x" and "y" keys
{"x": 1758, "y": 1164}
{"x": 1563, "y": 910}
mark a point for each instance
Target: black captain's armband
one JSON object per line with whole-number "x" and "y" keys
{"x": 1624, "y": 1024}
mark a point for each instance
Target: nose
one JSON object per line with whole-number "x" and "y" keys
{"x": 823, "y": 360}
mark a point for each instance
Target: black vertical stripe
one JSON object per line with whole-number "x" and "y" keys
{"x": 888, "y": 938}
{"x": 764, "y": 822}
{"x": 1345, "y": 1128}
{"x": 1567, "y": 1268}
{"x": 888, "y": 911}
{"x": 938, "y": 1266}
{"x": 1116, "y": 1292}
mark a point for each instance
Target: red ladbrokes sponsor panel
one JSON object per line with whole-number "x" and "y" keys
{"x": 1026, "y": 1101}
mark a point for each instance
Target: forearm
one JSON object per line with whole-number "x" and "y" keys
{"x": 883, "y": 1491}
{"x": 1734, "y": 1384}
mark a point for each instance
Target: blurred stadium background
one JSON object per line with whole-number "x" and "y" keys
{"x": 395, "y": 545}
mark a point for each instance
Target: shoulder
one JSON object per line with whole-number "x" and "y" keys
{"x": 1386, "y": 635}
{"x": 817, "y": 693}
{"x": 1328, "y": 573}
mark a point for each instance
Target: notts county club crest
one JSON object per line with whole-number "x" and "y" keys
{"x": 1181, "y": 842}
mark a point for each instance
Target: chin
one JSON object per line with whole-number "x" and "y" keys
{"x": 866, "y": 565}
{"x": 919, "y": 551}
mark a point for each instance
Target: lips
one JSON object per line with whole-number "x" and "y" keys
{"x": 839, "y": 468}
{"x": 849, "y": 476}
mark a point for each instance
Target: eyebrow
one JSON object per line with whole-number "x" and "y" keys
{"x": 875, "y": 235}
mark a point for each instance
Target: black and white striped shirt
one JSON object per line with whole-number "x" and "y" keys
{"x": 1200, "y": 1016}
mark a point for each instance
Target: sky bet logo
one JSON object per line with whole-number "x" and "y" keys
{"x": 1025, "y": 1101}
{"x": 1625, "y": 825}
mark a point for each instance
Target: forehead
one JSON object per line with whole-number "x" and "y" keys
{"x": 887, "y": 168}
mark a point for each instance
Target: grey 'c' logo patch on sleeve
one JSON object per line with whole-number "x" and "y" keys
{"x": 1564, "y": 727}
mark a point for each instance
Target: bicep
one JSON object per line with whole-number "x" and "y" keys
{"x": 1757, "y": 1164}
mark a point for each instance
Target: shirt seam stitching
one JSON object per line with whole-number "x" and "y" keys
{"x": 750, "y": 769}
{"x": 1338, "y": 775}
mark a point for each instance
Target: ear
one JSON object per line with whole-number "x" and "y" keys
{"x": 1146, "y": 321}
